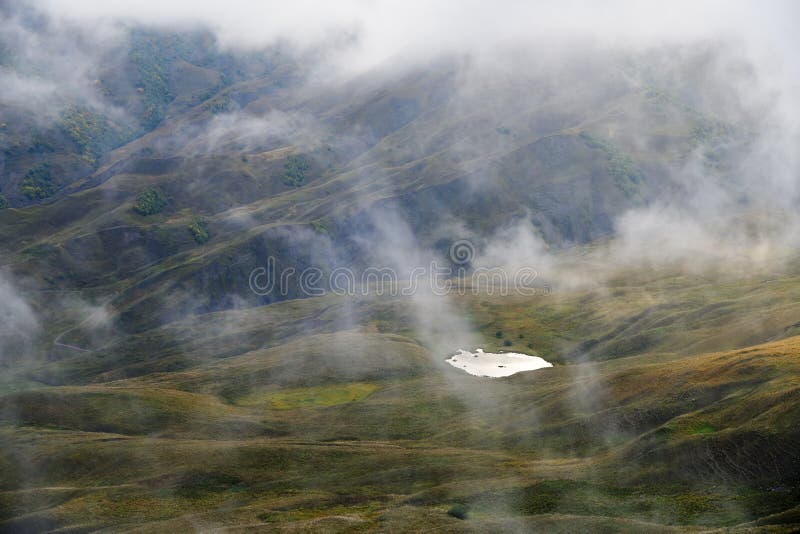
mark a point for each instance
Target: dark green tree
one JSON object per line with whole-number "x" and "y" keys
{"x": 150, "y": 202}
{"x": 294, "y": 171}
{"x": 199, "y": 230}
{"x": 38, "y": 182}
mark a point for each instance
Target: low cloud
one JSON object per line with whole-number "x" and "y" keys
{"x": 244, "y": 132}
{"x": 19, "y": 324}
{"x": 48, "y": 64}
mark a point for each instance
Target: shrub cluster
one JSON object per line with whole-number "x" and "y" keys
{"x": 294, "y": 171}
{"x": 150, "y": 59}
{"x": 92, "y": 132}
{"x": 150, "y": 202}
{"x": 38, "y": 182}
{"x": 458, "y": 511}
{"x": 620, "y": 166}
{"x": 199, "y": 230}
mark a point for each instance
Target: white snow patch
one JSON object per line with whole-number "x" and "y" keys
{"x": 495, "y": 365}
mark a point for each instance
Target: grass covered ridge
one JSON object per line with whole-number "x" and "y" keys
{"x": 312, "y": 397}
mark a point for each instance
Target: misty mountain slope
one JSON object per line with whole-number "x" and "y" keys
{"x": 213, "y": 219}
{"x": 440, "y": 163}
{"x": 144, "y": 76}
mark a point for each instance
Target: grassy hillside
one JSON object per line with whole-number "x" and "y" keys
{"x": 286, "y": 416}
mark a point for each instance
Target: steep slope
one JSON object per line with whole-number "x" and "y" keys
{"x": 260, "y": 163}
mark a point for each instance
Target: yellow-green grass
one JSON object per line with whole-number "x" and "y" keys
{"x": 645, "y": 312}
{"x": 310, "y": 397}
